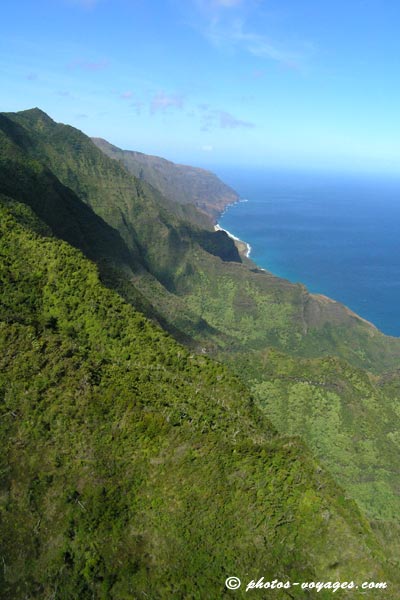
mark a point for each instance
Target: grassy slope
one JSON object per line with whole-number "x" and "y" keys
{"x": 130, "y": 466}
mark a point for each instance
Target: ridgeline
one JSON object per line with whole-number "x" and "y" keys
{"x": 171, "y": 414}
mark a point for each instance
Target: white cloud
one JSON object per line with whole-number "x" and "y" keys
{"x": 84, "y": 3}
{"x": 212, "y": 6}
{"x": 234, "y": 35}
{"x": 207, "y": 148}
{"x": 212, "y": 118}
{"x": 228, "y": 3}
{"x": 88, "y": 65}
{"x": 228, "y": 121}
{"x": 138, "y": 106}
{"x": 225, "y": 24}
{"x": 161, "y": 102}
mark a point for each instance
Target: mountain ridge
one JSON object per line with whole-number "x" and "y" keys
{"x": 277, "y": 338}
{"x": 181, "y": 183}
{"x": 112, "y": 436}
{"x": 164, "y": 241}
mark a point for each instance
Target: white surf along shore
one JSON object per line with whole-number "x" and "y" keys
{"x": 217, "y": 227}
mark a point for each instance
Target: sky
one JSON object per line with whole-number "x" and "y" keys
{"x": 265, "y": 83}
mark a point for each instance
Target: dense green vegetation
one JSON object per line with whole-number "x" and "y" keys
{"x": 177, "y": 265}
{"x": 348, "y": 418}
{"x": 179, "y": 183}
{"x": 131, "y": 464}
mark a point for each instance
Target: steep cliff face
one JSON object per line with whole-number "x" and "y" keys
{"x": 181, "y": 183}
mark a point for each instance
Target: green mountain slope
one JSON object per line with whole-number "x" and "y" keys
{"x": 199, "y": 293}
{"x": 345, "y": 418}
{"x": 131, "y": 206}
{"x": 348, "y": 419}
{"x": 192, "y": 282}
{"x": 180, "y": 183}
{"x": 141, "y": 214}
{"x": 131, "y": 467}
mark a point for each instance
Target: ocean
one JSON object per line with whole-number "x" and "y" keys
{"x": 337, "y": 234}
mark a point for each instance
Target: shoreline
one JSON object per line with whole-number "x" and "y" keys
{"x": 243, "y": 247}
{"x": 247, "y": 248}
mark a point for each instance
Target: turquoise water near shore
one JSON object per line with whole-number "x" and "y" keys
{"x": 337, "y": 234}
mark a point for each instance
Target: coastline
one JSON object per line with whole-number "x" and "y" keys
{"x": 323, "y": 300}
{"x": 243, "y": 247}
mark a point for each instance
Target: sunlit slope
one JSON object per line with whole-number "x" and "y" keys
{"x": 192, "y": 282}
{"x": 180, "y": 183}
{"x": 151, "y": 226}
{"x": 130, "y": 465}
{"x": 145, "y": 236}
{"x": 197, "y": 279}
{"x": 349, "y": 419}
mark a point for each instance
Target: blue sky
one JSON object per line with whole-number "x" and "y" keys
{"x": 269, "y": 83}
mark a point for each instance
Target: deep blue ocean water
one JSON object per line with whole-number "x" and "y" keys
{"x": 337, "y": 234}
